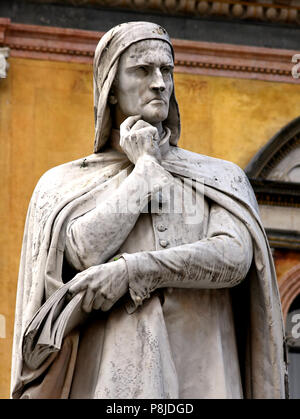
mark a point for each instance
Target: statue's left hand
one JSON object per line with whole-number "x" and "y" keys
{"x": 103, "y": 285}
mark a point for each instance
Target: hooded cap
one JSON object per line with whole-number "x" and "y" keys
{"x": 106, "y": 60}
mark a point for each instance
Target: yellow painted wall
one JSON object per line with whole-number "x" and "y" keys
{"x": 46, "y": 118}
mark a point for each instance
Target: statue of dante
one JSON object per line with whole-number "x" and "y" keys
{"x": 124, "y": 293}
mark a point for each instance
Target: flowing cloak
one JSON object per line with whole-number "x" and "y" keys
{"x": 64, "y": 191}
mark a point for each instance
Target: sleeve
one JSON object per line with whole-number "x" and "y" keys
{"x": 220, "y": 260}
{"x": 95, "y": 237}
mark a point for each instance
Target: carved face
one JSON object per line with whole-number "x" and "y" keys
{"x": 144, "y": 82}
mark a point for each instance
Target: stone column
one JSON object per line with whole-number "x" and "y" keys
{"x": 4, "y": 53}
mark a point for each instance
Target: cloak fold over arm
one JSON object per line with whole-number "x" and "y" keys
{"x": 96, "y": 236}
{"x": 221, "y": 260}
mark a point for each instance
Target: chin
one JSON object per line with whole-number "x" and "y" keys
{"x": 155, "y": 117}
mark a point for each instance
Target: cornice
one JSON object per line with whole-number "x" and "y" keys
{"x": 234, "y": 61}
{"x": 284, "y": 11}
{"x": 276, "y": 193}
{"x": 283, "y": 239}
{"x": 213, "y": 59}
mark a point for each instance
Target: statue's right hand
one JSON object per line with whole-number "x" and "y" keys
{"x": 138, "y": 139}
{"x": 103, "y": 285}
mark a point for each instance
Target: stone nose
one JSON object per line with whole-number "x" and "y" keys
{"x": 157, "y": 82}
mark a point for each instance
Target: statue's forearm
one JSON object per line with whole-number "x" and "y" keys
{"x": 96, "y": 236}
{"x": 221, "y": 260}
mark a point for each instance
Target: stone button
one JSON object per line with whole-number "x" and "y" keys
{"x": 163, "y": 243}
{"x": 138, "y": 299}
{"x": 161, "y": 227}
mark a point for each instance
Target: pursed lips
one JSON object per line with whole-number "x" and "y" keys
{"x": 158, "y": 100}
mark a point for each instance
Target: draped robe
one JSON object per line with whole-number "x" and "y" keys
{"x": 71, "y": 190}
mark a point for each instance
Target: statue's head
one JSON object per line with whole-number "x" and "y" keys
{"x": 144, "y": 82}
{"x": 133, "y": 75}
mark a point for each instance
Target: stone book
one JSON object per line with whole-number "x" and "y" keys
{"x": 53, "y": 321}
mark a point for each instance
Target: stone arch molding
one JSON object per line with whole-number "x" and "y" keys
{"x": 274, "y": 173}
{"x": 289, "y": 289}
{"x": 279, "y": 159}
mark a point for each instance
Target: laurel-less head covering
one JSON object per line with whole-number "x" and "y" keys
{"x": 106, "y": 60}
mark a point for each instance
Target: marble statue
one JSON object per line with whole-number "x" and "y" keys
{"x": 4, "y": 53}
{"x": 145, "y": 269}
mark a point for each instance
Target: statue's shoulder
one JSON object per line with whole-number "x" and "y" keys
{"x": 222, "y": 175}
{"x": 204, "y": 162}
{"x": 75, "y": 175}
{"x": 58, "y": 175}
{"x": 65, "y": 178}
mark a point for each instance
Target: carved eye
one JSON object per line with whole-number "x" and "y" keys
{"x": 166, "y": 70}
{"x": 142, "y": 70}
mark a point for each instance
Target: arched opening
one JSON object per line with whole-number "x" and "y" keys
{"x": 274, "y": 173}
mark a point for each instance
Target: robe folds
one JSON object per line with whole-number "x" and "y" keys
{"x": 65, "y": 192}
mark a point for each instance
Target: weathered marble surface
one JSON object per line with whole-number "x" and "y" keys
{"x": 4, "y": 53}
